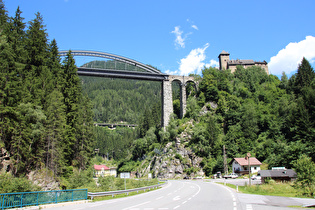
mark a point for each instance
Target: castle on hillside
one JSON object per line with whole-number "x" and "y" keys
{"x": 226, "y": 63}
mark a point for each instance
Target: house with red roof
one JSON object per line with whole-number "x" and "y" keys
{"x": 103, "y": 170}
{"x": 241, "y": 165}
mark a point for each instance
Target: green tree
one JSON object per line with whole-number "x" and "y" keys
{"x": 304, "y": 76}
{"x": 71, "y": 89}
{"x": 305, "y": 169}
{"x": 55, "y": 132}
{"x": 17, "y": 37}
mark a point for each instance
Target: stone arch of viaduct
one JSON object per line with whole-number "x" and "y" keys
{"x": 167, "y": 102}
{"x": 149, "y": 73}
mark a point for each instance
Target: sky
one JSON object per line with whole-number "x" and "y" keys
{"x": 181, "y": 36}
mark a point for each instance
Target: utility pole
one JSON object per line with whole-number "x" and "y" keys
{"x": 248, "y": 157}
{"x": 224, "y": 161}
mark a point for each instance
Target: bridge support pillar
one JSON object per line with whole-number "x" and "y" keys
{"x": 167, "y": 102}
{"x": 182, "y": 100}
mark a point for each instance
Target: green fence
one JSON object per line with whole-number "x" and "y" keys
{"x": 21, "y": 199}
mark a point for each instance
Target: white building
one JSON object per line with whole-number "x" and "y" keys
{"x": 240, "y": 165}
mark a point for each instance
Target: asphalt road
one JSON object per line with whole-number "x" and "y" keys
{"x": 191, "y": 195}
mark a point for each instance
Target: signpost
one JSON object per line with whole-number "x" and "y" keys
{"x": 125, "y": 175}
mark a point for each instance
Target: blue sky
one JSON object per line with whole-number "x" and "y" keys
{"x": 181, "y": 36}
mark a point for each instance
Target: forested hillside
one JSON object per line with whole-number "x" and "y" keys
{"x": 248, "y": 111}
{"x": 121, "y": 100}
{"x": 45, "y": 120}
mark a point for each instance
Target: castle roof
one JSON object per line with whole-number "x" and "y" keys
{"x": 241, "y": 62}
{"x": 245, "y": 62}
{"x": 224, "y": 53}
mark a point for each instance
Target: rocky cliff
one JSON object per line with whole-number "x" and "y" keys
{"x": 176, "y": 160}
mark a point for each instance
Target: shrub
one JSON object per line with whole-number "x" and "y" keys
{"x": 9, "y": 184}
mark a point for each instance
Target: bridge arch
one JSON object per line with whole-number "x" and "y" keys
{"x": 129, "y": 61}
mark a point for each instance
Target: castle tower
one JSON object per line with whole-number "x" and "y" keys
{"x": 224, "y": 57}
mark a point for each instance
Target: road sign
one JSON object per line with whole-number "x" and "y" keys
{"x": 125, "y": 175}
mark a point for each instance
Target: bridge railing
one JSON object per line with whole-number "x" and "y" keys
{"x": 22, "y": 199}
{"x": 112, "y": 193}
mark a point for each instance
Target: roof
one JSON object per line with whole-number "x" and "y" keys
{"x": 278, "y": 173}
{"x": 100, "y": 167}
{"x": 244, "y": 162}
{"x": 224, "y": 53}
{"x": 241, "y": 62}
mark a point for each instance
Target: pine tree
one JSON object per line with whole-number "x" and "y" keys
{"x": 85, "y": 144}
{"x": 37, "y": 75}
{"x": 55, "y": 132}
{"x": 54, "y": 64}
{"x": 304, "y": 76}
{"x": 3, "y": 16}
{"x": 17, "y": 36}
{"x": 71, "y": 90}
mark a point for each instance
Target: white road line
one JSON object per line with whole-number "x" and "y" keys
{"x": 249, "y": 207}
{"x": 176, "y": 198}
{"x": 136, "y": 205}
{"x": 184, "y": 202}
{"x": 176, "y": 207}
{"x": 159, "y": 198}
{"x": 162, "y": 208}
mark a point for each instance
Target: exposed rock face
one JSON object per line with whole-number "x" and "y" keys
{"x": 177, "y": 161}
{"x": 5, "y": 161}
{"x": 44, "y": 179}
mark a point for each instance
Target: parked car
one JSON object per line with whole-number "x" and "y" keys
{"x": 231, "y": 175}
{"x": 256, "y": 177}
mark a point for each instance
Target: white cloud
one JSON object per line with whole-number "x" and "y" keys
{"x": 169, "y": 72}
{"x": 195, "y": 27}
{"x": 213, "y": 63}
{"x": 179, "y": 41}
{"x": 288, "y": 59}
{"x": 194, "y": 61}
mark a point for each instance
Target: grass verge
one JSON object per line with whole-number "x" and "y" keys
{"x": 273, "y": 189}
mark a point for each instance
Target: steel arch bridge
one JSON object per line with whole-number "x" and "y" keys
{"x": 147, "y": 72}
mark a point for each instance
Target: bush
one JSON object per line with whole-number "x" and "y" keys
{"x": 80, "y": 179}
{"x": 305, "y": 169}
{"x": 9, "y": 184}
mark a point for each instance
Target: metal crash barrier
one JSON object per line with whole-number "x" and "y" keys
{"x": 22, "y": 199}
{"x": 112, "y": 193}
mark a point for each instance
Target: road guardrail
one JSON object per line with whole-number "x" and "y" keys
{"x": 112, "y": 193}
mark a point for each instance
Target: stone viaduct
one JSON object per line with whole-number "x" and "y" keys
{"x": 167, "y": 99}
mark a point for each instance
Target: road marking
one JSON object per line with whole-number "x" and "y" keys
{"x": 176, "y": 207}
{"x": 176, "y": 198}
{"x": 162, "y": 208}
{"x": 184, "y": 202}
{"x": 131, "y": 207}
{"x": 159, "y": 198}
{"x": 169, "y": 194}
{"x": 249, "y": 207}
